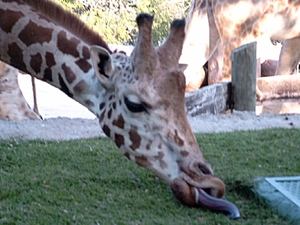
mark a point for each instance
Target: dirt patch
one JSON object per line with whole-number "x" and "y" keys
{"x": 65, "y": 119}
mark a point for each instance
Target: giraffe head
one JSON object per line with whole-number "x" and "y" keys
{"x": 143, "y": 111}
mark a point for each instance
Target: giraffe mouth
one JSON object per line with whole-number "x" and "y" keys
{"x": 203, "y": 198}
{"x": 206, "y": 193}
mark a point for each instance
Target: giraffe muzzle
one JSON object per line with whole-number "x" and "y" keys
{"x": 216, "y": 204}
{"x": 199, "y": 197}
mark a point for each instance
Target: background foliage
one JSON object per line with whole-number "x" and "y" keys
{"x": 115, "y": 19}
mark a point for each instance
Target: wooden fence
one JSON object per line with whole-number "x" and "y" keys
{"x": 241, "y": 93}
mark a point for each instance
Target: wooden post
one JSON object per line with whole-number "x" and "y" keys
{"x": 244, "y": 77}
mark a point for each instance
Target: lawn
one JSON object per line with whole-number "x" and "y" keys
{"x": 88, "y": 181}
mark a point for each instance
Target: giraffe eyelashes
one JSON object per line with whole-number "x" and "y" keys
{"x": 134, "y": 107}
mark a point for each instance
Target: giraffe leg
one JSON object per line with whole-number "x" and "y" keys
{"x": 35, "y": 104}
{"x": 215, "y": 65}
{"x": 289, "y": 56}
{"x": 226, "y": 69}
{"x": 13, "y": 105}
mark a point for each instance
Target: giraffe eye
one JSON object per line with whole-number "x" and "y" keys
{"x": 134, "y": 107}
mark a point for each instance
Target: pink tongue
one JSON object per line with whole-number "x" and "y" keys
{"x": 217, "y": 204}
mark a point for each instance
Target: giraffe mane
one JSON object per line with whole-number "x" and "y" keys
{"x": 69, "y": 21}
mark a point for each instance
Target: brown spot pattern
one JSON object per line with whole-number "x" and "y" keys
{"x": 48, "y": 75}
{"x": 64, "y": 45}
{"x": 84, "y": 65}
{"x": 32, "y": 34}
{"x": 86, "y": 52}
{"x": 114, "y": 105}
{"x": 16, "y": 55}
{"x": 119, "y": 122}
{"x": 63, "y": 87}
{"x": 109, "y": 113}
{"x": 184, "y": 153}
{"x": 27, "y": 114}
{"x": 50, "y": 61}
{"x": 142, "y": 161}
{"x": 102, "y": 105}
{"x": 159, "y": 146}
{"x": 82, "y": 85}
{"x": 102, "y": 116}
{"x": 69, "y": 74}
{"x": 7, "y": 22}
{"x": 36, "y": 62}
{"x": 127, "y": 155}
{"x": 177, "y": 139}
{"x": 119, "y": 140}
{"x": 160, "y": 157}
{"x": 106, "y": 130}
{"x": 23, "y": 105}
{"x": 88, "y": 103}
{"x": 148, "y": 146}
{"x": 134, "y": 138}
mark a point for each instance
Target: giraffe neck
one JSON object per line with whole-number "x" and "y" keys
{"x": 42, "y": 39}
{"x": 195, "y": 41}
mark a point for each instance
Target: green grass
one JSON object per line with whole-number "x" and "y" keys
{"x": 88, "y": 181}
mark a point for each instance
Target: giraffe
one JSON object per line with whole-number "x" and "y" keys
{"x": 34, "y": 95}
{"x": 214, "y": 25}
{"x": 13, "y": 105}
{"x": 139, "y": 99}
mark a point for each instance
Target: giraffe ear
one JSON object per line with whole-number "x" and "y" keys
{"x": 103, "y": 65}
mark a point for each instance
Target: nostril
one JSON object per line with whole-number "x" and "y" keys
{"x": 204, "y": 169}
